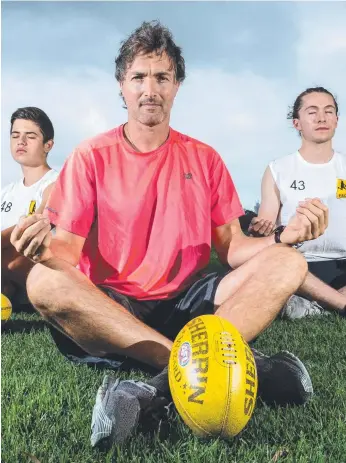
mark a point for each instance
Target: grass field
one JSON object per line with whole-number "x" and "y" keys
{"x": 47, "y": 404}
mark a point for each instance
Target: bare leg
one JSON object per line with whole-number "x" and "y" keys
{"x": 329, "y": 298}
{"x": 67, "y": 299}
{"x": 342, "y": 291}
{"x": 251, "y": 296}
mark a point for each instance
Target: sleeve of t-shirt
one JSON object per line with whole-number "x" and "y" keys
{"x": 71, "y": 204}
{"x": 225, "y": 203}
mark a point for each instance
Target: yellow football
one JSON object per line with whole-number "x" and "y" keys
{"x": 212, "y": 377}
{"x": 6, "y": 308}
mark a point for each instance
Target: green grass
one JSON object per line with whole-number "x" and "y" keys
{"x": 47, "y": 404}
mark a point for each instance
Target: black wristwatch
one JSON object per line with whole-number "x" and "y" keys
{"x": 277, "y": 237}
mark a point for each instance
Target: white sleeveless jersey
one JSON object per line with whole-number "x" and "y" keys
{"x": 298, "y": 179}
{"x": 18, "y": 199}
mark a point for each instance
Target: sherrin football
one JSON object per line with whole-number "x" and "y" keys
{"x": 212, "y": 377}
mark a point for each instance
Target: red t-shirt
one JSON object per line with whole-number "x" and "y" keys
{"x": 147, "y": 217}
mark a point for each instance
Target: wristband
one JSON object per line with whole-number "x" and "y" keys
{"x": 277, "y": 237}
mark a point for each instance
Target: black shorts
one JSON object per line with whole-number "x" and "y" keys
{"x": 166, "y": 316}
{"x": 332, "y": 272}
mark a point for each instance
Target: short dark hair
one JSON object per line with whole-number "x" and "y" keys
{"x": 245, "y": 220}
{"x": 293, "y": 112}
{"x": 148, "y": 38}
{"x": 38, "y": 116}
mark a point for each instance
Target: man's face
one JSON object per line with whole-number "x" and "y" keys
{"x": 317, "y": 118}
{"x": 27, "y": 145}
{"x": 149, "y": 89}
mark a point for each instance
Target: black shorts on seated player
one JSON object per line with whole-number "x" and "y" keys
{"x": 166, "y": 316}
{"x": 332, "y": 272}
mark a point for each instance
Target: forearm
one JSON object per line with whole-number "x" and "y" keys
{"x": 271, "y": 216}
{"x": 16, "y": 267}
{"x": 15, "y": 264}
{"x": 245, "y": 248}
{"x": 62, "y": 251}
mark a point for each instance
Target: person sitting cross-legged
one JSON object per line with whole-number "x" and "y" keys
{"x": 315, "y": 170}
{"x": 31, "y": 139}
{"x": 137, "y": 209}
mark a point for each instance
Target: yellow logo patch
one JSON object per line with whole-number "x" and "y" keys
{"x": 32, "y": 207}
{"x": 340, "y": 188}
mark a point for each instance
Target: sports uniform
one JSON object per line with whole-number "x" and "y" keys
{"x": 18, "y": 200}
{"x": 297, "y": 179}
{"x": 147, "y": 219}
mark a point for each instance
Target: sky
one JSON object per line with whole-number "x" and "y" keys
{"x": 246, "y": 63}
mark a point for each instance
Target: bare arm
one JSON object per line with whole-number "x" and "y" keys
{"x": 6, "y": 234}
{"x": 17, "y": 261}
{"x": 233, "y": 247}
{"x": 270, "y": 198}
{"x": 32, "y": 238}
{"x": 66, "y": 246}
{"x": 264, "y": 223}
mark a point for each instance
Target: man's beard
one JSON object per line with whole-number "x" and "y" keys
{"x": 151, "y": 119}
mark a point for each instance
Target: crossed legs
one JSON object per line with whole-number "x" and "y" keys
{"x": 249, "y": 297}
{"x": 328, "y": 297}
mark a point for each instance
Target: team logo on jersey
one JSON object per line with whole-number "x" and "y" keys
{"x": 340, "y": 188}
{"x": 32, "y": 207}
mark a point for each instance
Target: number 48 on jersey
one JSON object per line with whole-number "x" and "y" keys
{"x": 6, "y": 206}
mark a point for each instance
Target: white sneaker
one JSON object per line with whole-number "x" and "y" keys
{"x": 298, "y": 307}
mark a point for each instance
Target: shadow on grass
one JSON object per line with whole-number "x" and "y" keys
{"x": 23, "y": 308}
{"x": 164, "y": 432}
{"x": 22, "y": 326}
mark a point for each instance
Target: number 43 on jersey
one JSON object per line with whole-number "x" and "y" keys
{"x": 298, "y": 185}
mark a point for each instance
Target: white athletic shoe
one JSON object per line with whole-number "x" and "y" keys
{"x": 117, "y": 409}
{"x": 297, "y": 307}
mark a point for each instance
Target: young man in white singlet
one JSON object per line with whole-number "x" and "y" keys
{"x": 32, "y": 136}
{"x": 315, "y": 170}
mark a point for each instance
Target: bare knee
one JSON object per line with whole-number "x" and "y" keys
{"x": 291, "y": 263}
{"x": 45, "y": 288}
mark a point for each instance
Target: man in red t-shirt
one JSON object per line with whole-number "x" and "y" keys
{"x": 137, "y": 209}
